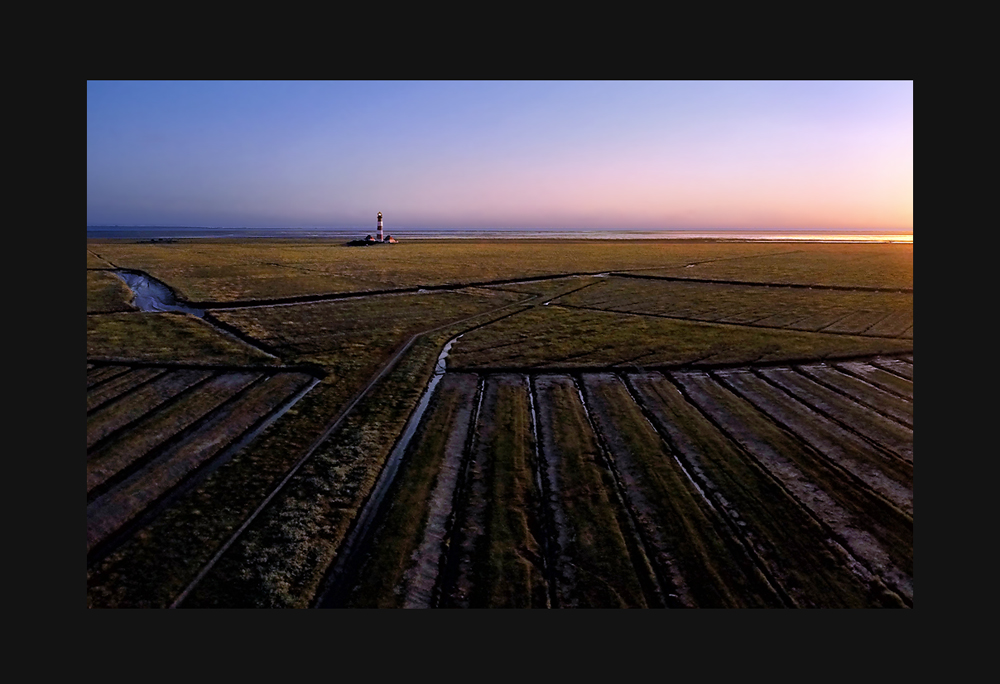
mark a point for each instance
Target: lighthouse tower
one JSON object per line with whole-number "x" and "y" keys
{"x": 380, "y": 227}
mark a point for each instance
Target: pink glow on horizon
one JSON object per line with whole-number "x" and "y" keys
{"x": 603, "y": 155}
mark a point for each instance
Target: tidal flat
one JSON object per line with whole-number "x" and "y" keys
{"x": 769, "y": 383}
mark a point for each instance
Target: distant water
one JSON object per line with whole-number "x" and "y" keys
{"x": 159, "y": 233}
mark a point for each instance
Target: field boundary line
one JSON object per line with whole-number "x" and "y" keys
{"x": 174, "y": 439}
{"x": 695, "y": 365}
{"x": 755, "y": 283}
{"x": 887, "y": 368}
{"x": 335, "y": 296}
{"x": 737, "y": 325}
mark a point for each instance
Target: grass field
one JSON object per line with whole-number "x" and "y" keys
{"x": 559, "y": 337}
{"x": 222, "y": 271}
{"x": 598, "y": 440}
{"x": 107, "y": 293}
{"x": 161, "y": 337}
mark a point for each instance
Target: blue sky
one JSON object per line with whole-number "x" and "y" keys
{"x": 536, "y": 154}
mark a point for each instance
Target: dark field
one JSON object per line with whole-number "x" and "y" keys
{"x": 615, "y": 424}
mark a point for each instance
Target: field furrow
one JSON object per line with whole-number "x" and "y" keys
{"x": 857, "y": 322}
{"x": 119, "y": 386}
{"x": 892, "y": 325}
{"x": 820, "y": 320}
{"x": 460, "y": 576}
{"x": 102, "y": 373}
{"x": 888, "y": 434}
{"x": 880, "y": 378}
{"x": 862, "y": 392}
{"x": 874, "y": 533}
{"x": 501, "y": 564}
{"x": 140, "y": 402}
{"x": 163, "y": 425}
{"x": 593, "y": 563}
{"x": 890, "y": 477}
{"x": 785, "y": 319}
{"x": 706, "y": 566}
{"x": 789, "y": 542}
{"x": 126, "y": 501}
{"x": 895, "y": 366}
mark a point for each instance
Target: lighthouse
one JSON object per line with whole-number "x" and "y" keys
{"x": 380, "y": 227}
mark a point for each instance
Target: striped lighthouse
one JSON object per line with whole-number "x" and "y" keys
{"x": 380, "y": 227}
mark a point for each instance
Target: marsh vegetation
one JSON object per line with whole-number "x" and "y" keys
{"x": 734, "y": 428}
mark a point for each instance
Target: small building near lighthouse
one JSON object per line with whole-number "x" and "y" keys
{"x": 380, "y": 240}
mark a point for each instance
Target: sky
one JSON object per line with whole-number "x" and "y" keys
{"x": 605, "y": 155}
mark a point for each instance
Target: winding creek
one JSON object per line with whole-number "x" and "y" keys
{"x": 152, "y": 295}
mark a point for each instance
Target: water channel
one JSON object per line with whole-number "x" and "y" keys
{"x": 152, "y": 295}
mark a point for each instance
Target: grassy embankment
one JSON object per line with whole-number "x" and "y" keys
{"x": 789, "y": 542}
{"x": 499, "y": 551}
{"x": 707, "y": 567}
{"x": 890, "y": 476}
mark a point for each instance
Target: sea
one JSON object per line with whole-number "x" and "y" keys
{"x": 169, "y": 232}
